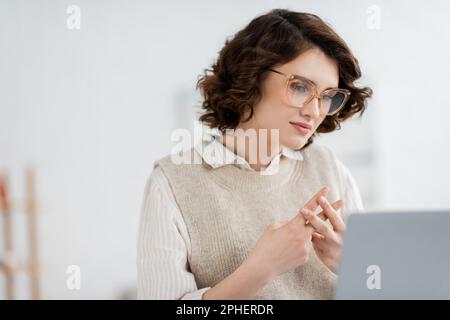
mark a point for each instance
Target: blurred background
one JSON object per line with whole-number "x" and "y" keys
{"x": 90, "y": 92}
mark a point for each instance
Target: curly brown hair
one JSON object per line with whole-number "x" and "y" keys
{"x": 232, "y": 87}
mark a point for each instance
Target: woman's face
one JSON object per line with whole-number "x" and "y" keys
{"x": 273, "y": 111}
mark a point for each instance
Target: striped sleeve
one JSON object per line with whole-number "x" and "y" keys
{"x": 163, "y": 246}
{"x": 351, "y": 194}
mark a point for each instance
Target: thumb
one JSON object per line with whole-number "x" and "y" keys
{"x": 300, "y": 217}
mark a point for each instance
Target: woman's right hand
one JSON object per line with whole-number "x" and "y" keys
{"x": 282, "y": 247}
{"x": 285, "y": 245}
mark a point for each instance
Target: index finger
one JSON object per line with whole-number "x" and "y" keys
{"x": 332, "y": 215}
{"x": 336, "y": 205}
{"x": 313, "y": 203}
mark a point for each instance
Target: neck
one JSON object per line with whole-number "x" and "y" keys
{"x": 258, "y": 147}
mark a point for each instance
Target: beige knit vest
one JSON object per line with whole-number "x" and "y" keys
{"x": 227, "y": 209}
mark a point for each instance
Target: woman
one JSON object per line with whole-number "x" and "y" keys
{"x": 228, "y": 226}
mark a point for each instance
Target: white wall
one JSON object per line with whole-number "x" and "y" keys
{"x": 93, "y": 108}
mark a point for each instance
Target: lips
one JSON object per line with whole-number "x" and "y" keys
{"x": 301, "y": 124}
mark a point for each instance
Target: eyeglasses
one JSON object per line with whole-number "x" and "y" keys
{"x": 300, "y": 91}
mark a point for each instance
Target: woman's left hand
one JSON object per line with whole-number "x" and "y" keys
{"x": 327, "y": 241}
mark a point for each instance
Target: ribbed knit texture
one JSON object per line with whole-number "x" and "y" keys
{"x": 227, "y": 209}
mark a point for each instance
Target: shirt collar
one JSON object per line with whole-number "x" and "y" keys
{"x": 216, "y": 154}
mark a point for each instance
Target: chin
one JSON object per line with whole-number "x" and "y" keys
{"x": 296, "y": 142}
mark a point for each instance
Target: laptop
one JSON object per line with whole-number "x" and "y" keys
{"x": 395, "y": 255}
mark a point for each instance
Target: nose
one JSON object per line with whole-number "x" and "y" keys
{"x": 311, "y": 109}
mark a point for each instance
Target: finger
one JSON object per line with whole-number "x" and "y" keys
{"x": 301, "y": 223}
{"x": 313, "y": 203}
{"x": 318, "y": 224}
{"x": 335, "y": 219}
{"x": 298, "y": 218}
{"x": 321, "y": 215}
{"x": 336, "y": 205}
{"x": 317, "y": 236}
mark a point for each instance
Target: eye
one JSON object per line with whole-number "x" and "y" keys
{"x": 327, "y": 98}
{"x": 298, "y": 87}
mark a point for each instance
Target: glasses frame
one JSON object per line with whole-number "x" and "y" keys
{"x": 291, "y": 76}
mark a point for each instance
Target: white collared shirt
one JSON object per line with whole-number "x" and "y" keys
{"x": 216, "y": 154}
{"x": 164, "y": 246}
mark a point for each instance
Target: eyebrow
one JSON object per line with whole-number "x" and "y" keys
{"x": 309, "y": 80}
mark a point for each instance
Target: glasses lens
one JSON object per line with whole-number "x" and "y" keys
{"x": 333, "y": 101}
{"x": 298, "y": 92}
